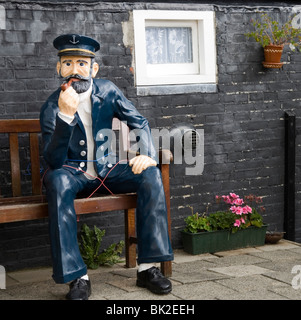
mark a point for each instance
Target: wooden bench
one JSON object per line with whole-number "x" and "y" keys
{"x": 34, "y": 206}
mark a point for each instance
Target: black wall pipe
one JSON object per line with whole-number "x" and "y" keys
{"x": 289, "y": 185}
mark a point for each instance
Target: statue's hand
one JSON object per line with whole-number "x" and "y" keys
{"x": 140, "y": 163}
{"x": 68, "y": 101}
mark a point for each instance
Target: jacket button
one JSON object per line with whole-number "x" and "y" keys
{"x": 101, "y": 136}
{"x": 101, "y": 148}
{"x": 109, "y": 165}
{"x": 82, "y": 142}
{"x": 83, "y": 153}
{"x": 82, "y": 164}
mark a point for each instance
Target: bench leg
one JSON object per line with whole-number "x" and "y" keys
{"x": 130, "y": 235}
{"x": 166, "y": 268}
{"x": 130, "y": 244}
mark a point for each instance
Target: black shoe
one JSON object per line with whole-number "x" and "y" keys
{"x": 80, "y": 289}
{"x": 153, "y": 280}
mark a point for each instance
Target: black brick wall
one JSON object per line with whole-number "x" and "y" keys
{"x": 243, "y": 121}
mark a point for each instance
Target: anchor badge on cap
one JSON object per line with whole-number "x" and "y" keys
{"x": 73, "y": 40}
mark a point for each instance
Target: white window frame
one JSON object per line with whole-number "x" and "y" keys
{"x": 203, "y": 68}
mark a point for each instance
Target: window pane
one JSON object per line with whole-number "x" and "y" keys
{"x": 168, "y": 45}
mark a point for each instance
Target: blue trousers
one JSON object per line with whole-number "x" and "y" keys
{"x": 62, "y": 187}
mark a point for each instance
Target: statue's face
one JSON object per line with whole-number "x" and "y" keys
{"x": 72, "y": 65}
{"x": 77, "y": 67}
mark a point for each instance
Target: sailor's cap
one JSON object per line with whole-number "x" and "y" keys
{"x": 74, "y": 44}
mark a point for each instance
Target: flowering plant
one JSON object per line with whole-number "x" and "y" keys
{"x": 240, "y": 215}
{"x": 268, "y": 31}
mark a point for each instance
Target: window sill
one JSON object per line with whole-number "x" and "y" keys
{"x": 176, "y": 89}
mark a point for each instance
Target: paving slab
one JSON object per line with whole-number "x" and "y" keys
{"x": 277, "y": 255}
{"x": 260, "y": 294}
{"x": 285, "y": 277}
{"x": 105, "y": 291}
{"x": 182, "y": 257}
{"x": 240, "y": 270}
{"x": 137, "y": 295}
{"x": 280, "y": 265}
{"x": 281, "y": 245}
{"x": 196, "y": 271}
{"x": 42, "y": 290}
{"x": 288, "y": 292}
{"x": 5, "y": 296}
{"x": 208, "y": 290}
{"x": 32, "y": 275}
{"x": 297, "y": 251}
{"x": 261, "y": 273}
{"x": 240, "y": 259}
{"x": 236, "y": 252}
{"x": 196, "y": 277}
{"x": 251, "y": 283}
{"x": 193, "y": 266}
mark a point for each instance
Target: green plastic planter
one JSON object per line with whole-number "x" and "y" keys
{"x": 222, "y": 240}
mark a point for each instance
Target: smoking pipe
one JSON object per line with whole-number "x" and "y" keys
{"x": 66, "y": 85}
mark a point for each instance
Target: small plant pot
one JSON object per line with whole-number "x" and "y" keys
{"x": 273, "y": 237}
{"x": 272, "y": 56}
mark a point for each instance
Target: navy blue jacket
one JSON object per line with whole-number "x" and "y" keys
{"x": 63, "y": 143}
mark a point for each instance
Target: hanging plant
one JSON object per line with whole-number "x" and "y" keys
{"x": 273, "y": 38}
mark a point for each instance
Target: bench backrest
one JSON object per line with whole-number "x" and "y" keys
{"x": 14, "y": 127}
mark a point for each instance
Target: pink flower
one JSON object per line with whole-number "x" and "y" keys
{"x": 233, "y": 195}
{"x": 242, "y": 220}
{"x": 238, "y": 202}
{"x": 247, "y": 209}
{"x": 227, "y": 199}
{"x": 237, "y": 223}
{"x": 233, "y": 209}
{"x": 238, "y": 210}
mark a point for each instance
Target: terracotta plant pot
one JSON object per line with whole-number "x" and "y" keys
{"x": 273, "y": 237}
{"x": 272, "y": 56}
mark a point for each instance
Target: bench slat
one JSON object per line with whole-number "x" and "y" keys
{"x": 15, "y": 164}
{"x": 22, "y": 200}
{"x": 30, "y": 211}
{"x": 20, "y": 125}
{"x": 107, "y": 203}
{"x": 35, "y": 163}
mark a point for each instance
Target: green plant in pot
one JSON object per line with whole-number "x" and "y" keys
{"x": 273, "y": 37}
{"x": 241, "y": 225}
